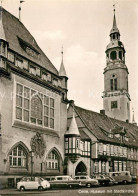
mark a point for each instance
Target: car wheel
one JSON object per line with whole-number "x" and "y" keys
{"x": 22, "y": 188}
{"x": 124, "y": 182}
{"x": 88, "y": 185}
{"x": 40, "y": 188}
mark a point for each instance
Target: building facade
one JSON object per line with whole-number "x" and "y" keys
{"x": 102, "y": 144}
{"x": 33, "y": 106}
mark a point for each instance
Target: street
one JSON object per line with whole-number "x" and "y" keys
{"x": 117, "y": 190}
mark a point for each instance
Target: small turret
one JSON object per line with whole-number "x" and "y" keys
{"x": 62, "y": 73}
{"x": 72, "y": 141}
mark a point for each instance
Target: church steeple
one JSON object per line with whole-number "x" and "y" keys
{"x": 116, "y": 98}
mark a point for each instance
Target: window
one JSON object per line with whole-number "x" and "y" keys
{"x": 113, "y": 55}
{"x": 100, "y": 148}
{"x": 108, "y": 149}
{"x": 36, "y": 110}
{"x": 32, "y": 70}
{"x": 19, "y": 63}
{"x": 52, "y": 161}
{"x": 115, "y": 166}
{"x": 112, "y": 150}
{"x": 11, "y": 56}
{"x": 113, "y": 104}
{"x": 34, "y": 107}
{"x": 18, "y": 157}
{"x": 120, "y": 55}
{"x": 120, "y": 165}
{"x": 113, "y": 83}
{"x": 96, "y": 167}
{"x": 103, "y": 167}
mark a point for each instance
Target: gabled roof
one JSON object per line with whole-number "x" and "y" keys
{"x": 15, "y": 31}
{"x": 100, "y": 126}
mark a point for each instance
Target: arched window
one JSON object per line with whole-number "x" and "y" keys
{"x": 18, "y": 157}
{"x": 52, "y": 160}
{"x": 36, "y": 110}
{"x": 113, "y": 55}
{"x": 113, "y": 83}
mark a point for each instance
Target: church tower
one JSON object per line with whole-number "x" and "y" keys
{"x": 116, "y": 98}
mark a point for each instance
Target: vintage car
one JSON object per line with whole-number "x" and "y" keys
{"x": 121, "y": 177}
{"x": 86, "y": 181}
{"x": 64, "y": 182}
{"x": 104, "y": 180}
{"x": 32, "y": 183}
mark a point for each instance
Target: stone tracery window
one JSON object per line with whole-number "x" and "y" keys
{"x": 34, "y": 107}
{"x": 18, "y": 157}
{"x": 52, "y": 161}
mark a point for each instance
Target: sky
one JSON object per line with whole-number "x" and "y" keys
{"x": 82, "y": 27}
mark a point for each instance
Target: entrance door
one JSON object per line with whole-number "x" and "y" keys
{"x": 81, "y": 169}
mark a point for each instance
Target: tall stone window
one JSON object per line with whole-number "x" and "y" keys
{"x": 18, "y": 157}
{"x": 34, "y": 107}
{"x": 52, "y": 161}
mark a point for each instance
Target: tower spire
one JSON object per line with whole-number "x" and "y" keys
{"x": 62, "y": 71}
{"x": 114, "y": 28}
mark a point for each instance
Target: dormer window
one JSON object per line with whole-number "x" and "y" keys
{"x": 19, "y": 63}
{"x": 32, "y": 70}
{"x": 110, "y": 135}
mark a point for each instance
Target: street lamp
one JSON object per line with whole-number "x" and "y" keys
{"x": 31, "y": 155}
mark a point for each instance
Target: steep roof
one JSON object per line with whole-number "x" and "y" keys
{"x": 101, "y": 126}
{"x": 15, "y": 32}
{"x": 114, "y": 28}
{"x": 62, "y": 71}
{"x": 73, "y": 129}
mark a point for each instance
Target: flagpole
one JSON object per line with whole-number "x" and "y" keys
{"x": 20, "y": 9}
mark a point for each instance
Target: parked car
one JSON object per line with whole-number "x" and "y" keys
{"x": 32, "y": 183}
{"x": 104, "y": 180}
{"x": 63, "y": 182}
{"x": 121, "y": 177}
{"x": 134, "y": 179}
{"x": 86, "y": 181}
